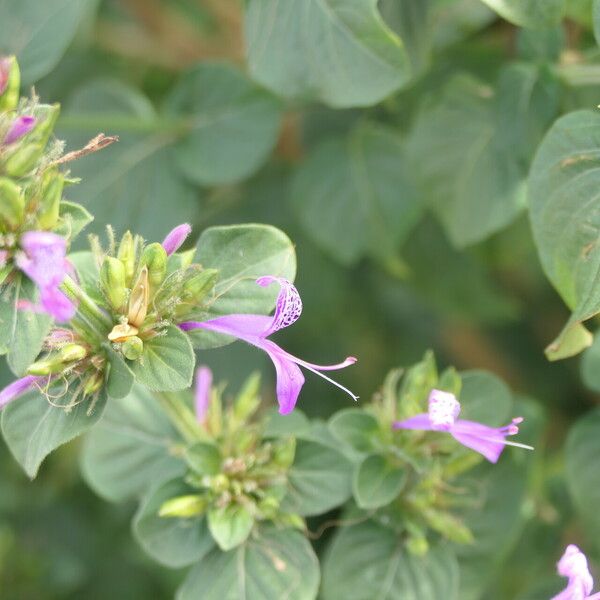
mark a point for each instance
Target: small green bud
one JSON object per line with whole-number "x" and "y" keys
{"x": 112, "y": 278}
{"x": 219, "y": 483}
{"x": 183, "y": 507}
{"x": 248, "y": 400}
{"x": 138, "y": 299}
{"x": 71, "y": 353}
{"x": 293, "y": 520}
{"x": 418, "y": 546}
{"x": 196, "y": 287}
{"x": 51, "y": 194}
{"x": 132, "y": 348}
{"x": 46, "y": 115}
{"x": 155, "y": 258}
{"x": 10, "y": 82}
{"x": 284, "y": 452}
{"x": 23, "y": 159}
{"x": 93, "y": 383}
{"x": 45, "y": 367}
{"x": 448, "y": 525}
{"x": 126, "y": 255}
{"x": 268, "y": 506}
{"x": 12, "y": 204}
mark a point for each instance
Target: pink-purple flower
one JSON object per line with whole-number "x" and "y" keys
{"x": 19, "y": 127}
{"x": 204, "y": 379}
{"x": 5, "y": 65}
{"x": 442, "y": 415}
{"x": 573, "y": 565}
{"x": 255, "y": 329}
{"x": 176, "y": 237}
{"x": 18, "y": 388}
{"x": 43, "y": 259}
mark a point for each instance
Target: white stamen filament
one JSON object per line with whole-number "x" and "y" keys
{"x": 339, "y": 385}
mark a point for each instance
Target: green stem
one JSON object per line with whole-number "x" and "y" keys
{"x": 181, "y": 417}
{"x": 86, "y": 306}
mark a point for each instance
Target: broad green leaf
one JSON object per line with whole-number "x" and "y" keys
{"x": 461, "y": 146}
{"x": 485, "y": 398}
{"x": 173, "y": 542}
{"x": 337, "y": 51}
{"x": 590, "y": 365}
{"x": 21, "y": 331}
{"x": 319, "y": 480}
{"x": 377, "y": 482}
{"x": 563, "y": 201}
{"x": 370, "y": 561}
{"x": 583, "y": 475}
{"x": 493, "y": 508}
{"x": 204, "y": 458}
{"x": 355, "y": 195}
{"x": 33, "y": 425}
{"x": 529, "y": 13}
{"x": 40, "y": 32}
{"x": 167, "y": 363}
{"x": 233, "y": 124}
{"x": 243, "y": 253}
{"x": 230, "y": 526}
{"x": 120, "y": 378}
{"x": 73, "y": 219}
{"x": 133, "y": 181}
{"x": 132, "y": 448}
{"x": 278, "y": 425}
{"x": 272, "y": 564}
{"x": 356, "y": 428}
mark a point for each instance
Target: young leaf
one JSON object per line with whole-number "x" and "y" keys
{"x": 234, "y": 124}
{"x": 392, "y": 573}
{"x": 120, "y": 378}
{"x": 230, "y": 526}
{"x": 73, "y": 219}
{"x": 377, "y": 482}
{"x": 362, "y": 62}
{"x": 276, "y": 563}
{"x": 167, "y": 363}
{"x": 356, "y": 196}
{"x": 538, "y": 14}
{"x": 131, "y": 449}
{"x": 355, "y": 428}
{"x": 33, "y": 426}
{"x": 172, "y": 541}
{"x": 563, "y": 200}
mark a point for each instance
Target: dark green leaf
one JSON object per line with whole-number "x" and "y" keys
{"x": 529, "y": 13}
{"x": 377, "y": 482}
{"x": 230, "y": 526}
{"x": 120, "y": 378}
{"x": 355, "y": 428}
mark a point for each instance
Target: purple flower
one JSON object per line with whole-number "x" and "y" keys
{"x": 44, "y": 261}
{"x": 17, "y": 388}
{"x": 5, "y": 65}
{"x": 573, "y": 564}
{"x": 255, "y": 330}
{"x": 176, "y": 237}
{"x": 444, "y": 409}
{"x": 20, "y": 127}
{"x": 204, "y": 380}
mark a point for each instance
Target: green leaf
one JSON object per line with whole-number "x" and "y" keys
{"x": 596, "y": 19}
{"x": 242, "y": 253}
{"x": 478, "y": 190}
{"x": 21, "y": 331}
{"x": 356, "y": 428}
{"x": 74, "y": 218}
{"x": 272, "y": 564}
{"x": 355, "y": 195}
{"x": 370, "y": 561}
{"x": 134, "y": 180}
{"x": 319, "y": 480}
{"x": 563, "y": 200}
{"x": 33, "y": 427}
{"x": 204, "y": 458}
{"x": 538, "y": 14}
{"x": 583, "y": 475}
{"x": 377, "y": 482}
{"x": 40, "y": 32}
{"x": 167, "y": 363}
{"x": 361, "y": 63}
{"x": 173, "y": 542}
{"x": 234, "y": 124}
{"x": 590, "y": 365}
{"x": 120, "y": 378}
{"x": 278, "y": 425}
{"x": 230, "y": 526}
{"x": 485, "y": 398}
{"x": 131, "y": 449}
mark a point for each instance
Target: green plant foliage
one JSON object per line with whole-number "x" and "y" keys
{"x": 377, "y": 482}
{"x": 274, "y": 564}
{"x": 362, "y": 62}
{"x": 529, "y": 13}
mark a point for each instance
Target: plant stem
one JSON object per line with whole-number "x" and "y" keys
{"x": 181, "y": 417}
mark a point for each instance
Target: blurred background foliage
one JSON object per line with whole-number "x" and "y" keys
{"x": 399, "y": 176}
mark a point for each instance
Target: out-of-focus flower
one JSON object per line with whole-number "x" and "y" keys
{"x": 176, "y": 237}
{"x": 19, "y": 127}
{"x": 255, "y": 330}
{"x": 204, "y": 379}
{"x": 573, "y": 564}
{"x": 444, "y": 409}
{"x": 18, "y": 388}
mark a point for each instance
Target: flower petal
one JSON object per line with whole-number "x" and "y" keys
{"x": 421, "y": 422}
{"x": 289, "y": 304}
{"x": 489, "y": 447}
{"x": 17, "y": 388}
{"x": 55, "y": 303}
{"x": 176, "y": 237}
{"x": 244, "y": 327}
{"x": 19, "y": 127}
{"x": 44, "y": 259}
{"x": 289, "y": 379}
{"x": 204, "y": 380}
